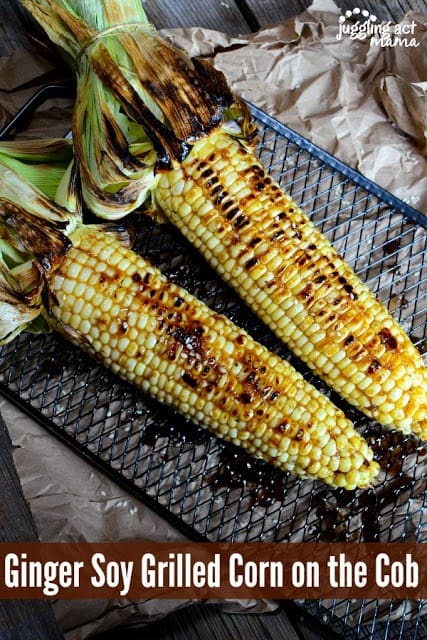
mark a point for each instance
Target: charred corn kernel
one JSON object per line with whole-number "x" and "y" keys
{"x": 206, "y": 367}
{"x": 217, "y": 180}
{"x": 296, "y": 282}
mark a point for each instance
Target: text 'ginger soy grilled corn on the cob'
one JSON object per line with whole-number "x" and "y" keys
{"x": 205, "y": 177}
{"x": 120, "y": 309}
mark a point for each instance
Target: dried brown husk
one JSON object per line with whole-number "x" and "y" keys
{"x": 141, "y": 102}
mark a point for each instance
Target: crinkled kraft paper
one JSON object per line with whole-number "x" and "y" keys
{"x": 22, "y": 74}
{"x": 365, "y": 104}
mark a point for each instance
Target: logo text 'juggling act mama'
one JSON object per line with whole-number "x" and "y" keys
{"x": 359, "y": 24}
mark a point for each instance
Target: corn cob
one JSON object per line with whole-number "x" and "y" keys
{"x": 220, "y": 197}
{"x": 154, "y": 334}
{"x": 263, "y": 245}
{"x": 121, "y": 310}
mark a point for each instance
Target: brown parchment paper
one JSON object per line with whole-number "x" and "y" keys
{"x": 367, "y": 105}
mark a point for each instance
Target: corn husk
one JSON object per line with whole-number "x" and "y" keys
{"x": 25, "y": 249}
{"x": 140, "y": 104}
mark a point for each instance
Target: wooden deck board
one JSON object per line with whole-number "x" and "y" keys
{"x": 270, "y": 12}
{"x": 210, "y": 14}
{"x": 16, "y": 27}
{"x": 390, "y": 10}
{"x": 241, "y": 16}
{"x": 30, "y": 619}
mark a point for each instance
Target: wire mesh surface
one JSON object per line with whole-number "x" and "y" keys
{"x": 212, "y": 490}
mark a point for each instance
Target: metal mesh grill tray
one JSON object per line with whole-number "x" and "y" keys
{"x": 212, "y": 490}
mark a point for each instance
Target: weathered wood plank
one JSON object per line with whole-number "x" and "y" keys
{"x": 16, "y": 523}
{"x": 392, "y": 10}
{"x": 210, "y": 14}
{"x": 270, "y": 12}
{"x": 23, "y": 619}
{"x": 17, "y": 27}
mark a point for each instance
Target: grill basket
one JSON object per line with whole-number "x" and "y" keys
{"x": 212, "y": 490}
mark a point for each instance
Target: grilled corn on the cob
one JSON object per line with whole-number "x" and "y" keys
{"x": 220, "y": 197}
{"x": 154, "y": 334}
{"x": 262, "y": 244}
{"x": 123, "y": 311}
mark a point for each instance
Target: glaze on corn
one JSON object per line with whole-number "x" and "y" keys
{"x": 152, "y": 123}
{"x": 263, "y": 245}
{"x": 152, "y": 333}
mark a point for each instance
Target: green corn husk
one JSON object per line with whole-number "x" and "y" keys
{"x": 42, "y": 162}
{"x": 47, "y": 165}
{"x": 133, "y": 115}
